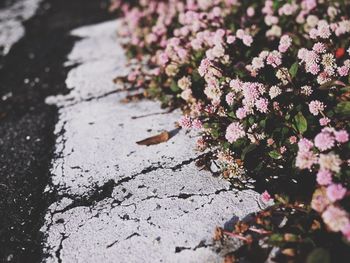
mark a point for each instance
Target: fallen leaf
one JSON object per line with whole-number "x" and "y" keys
{"x": 290, "y": 237}
{"x": 288, "y": 252}
{"x": 218, "y": 234}
{"x": 162, "y": 137}
{"x": 226, "y": 174}
{"x": 229, "y": 259}
{"x": 316, "y": 225}
{"x": 241, "y": 227}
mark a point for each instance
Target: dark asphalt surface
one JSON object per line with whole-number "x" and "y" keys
{"x": 32, "y": 71}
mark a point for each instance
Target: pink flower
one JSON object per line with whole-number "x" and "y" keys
{"x": 283, "y": 149}
{"x": 132, "y": 76}
{"x": 310, "y": 4}
{"x": 230, "y": 98}
{"x": 324, "y": 177}
{"x": 274, "y": 59}
{"x": 270, "y": 141}
{"x": 231, "y": 39}
{"x": 204, "y": 67}
{"x": 319, "y": 48}
{"x": 197, "y": 124}
{"x": 285, "y": 43}
{"x": 305, "y": 145}
{"x": 324, "y": 121}
{"x": 240, "y": 33}
{"x": 335, "y": 192}
{"x": 343, "y": 71}
{"x": 261, "y": 105}
{"x": 341, "y": 136}
{"x": 247, "y": 40}
{"x": 319, "y": 200}
{"x": 305, "y": 159}
{"x": 292, "y": 139}
{"x": 276, "y": 106}
{"x": 241, "y": 113}
{"x": 234, "y": 132}
{"x": 163, "y": 58}
{"x": 316, "y": 107}
{"x": 323, "y": 29}
{"x": 313, "y": 33}
{"x": 185, "y": 122}
{"x": 324, "y": 141}
{"x": 265, "y": 197}
{"x": 182, "y": 53}
{"x": 302, "y": 53}
{"x": 346, "y": 231}
{"x": 313, "y": 69}
{"x": 335, "y": 218}
{"x": 250, "y": 11}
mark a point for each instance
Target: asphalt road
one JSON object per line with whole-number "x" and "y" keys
{"x": 31, "y": 71}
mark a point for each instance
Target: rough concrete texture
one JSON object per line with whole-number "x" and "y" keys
{"x": 11, "y": 19}
{"x": 118, "y": 201}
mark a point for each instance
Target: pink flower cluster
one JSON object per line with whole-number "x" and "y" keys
{"x": 328, "y": 196}
{"x": 250, "y": 80}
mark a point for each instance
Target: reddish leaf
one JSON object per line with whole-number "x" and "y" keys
{"x": 162, "y": 137}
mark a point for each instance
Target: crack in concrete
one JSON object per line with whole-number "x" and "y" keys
{"x": 60, "y": 246}
{"x": 187, "y": 196}
{"x": 153, "y": 114}
{"x": 112, "y": 244}
{"x": 100, "y": 193}
{"x": 201, "y": 244}
{"x": 103, "y": 95}
{"x": 133, "y": 235}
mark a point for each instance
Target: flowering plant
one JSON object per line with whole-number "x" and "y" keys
{"x": 255, "y": 79}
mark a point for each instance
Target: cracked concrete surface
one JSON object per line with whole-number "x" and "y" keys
{"x": 118, "y": 201}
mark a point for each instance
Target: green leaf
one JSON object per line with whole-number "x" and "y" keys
{"x": 262, "y": 123}
{"x": 275, "y": 5}
{"x": 343, "y": 108}
{"x": 251, "y": 120}
{"x": 319, "y": 255}
{"x": 215, "y": 133}
{"x": 300, "y": 123}
{"x": 239, "y": 143}
{"x": 276, "y": 239}
{"x": 226, "y": 145}
{"x": 198, "y": 55}
{"x": 247, "y": 150}
{"x": 195, "y": 76}
{"x": 275, "y": 155}
{"x": 174, "y": 87}
{"x": 231, "y": 114}
{"x": 294, "y": 69}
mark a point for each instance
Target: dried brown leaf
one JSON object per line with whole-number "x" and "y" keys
{"x": 229, "y": 259}
{"x": 241, "y": 227}
{"x": 157, "y": 139}
{"x": 290, "y": 252}
{"x": 218, "y": 234}
{"x": 119, "y": 80}
{"x": 316, "y": 225}
{"x": 290, "y": 237}
{"x": 226, "y": 174}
